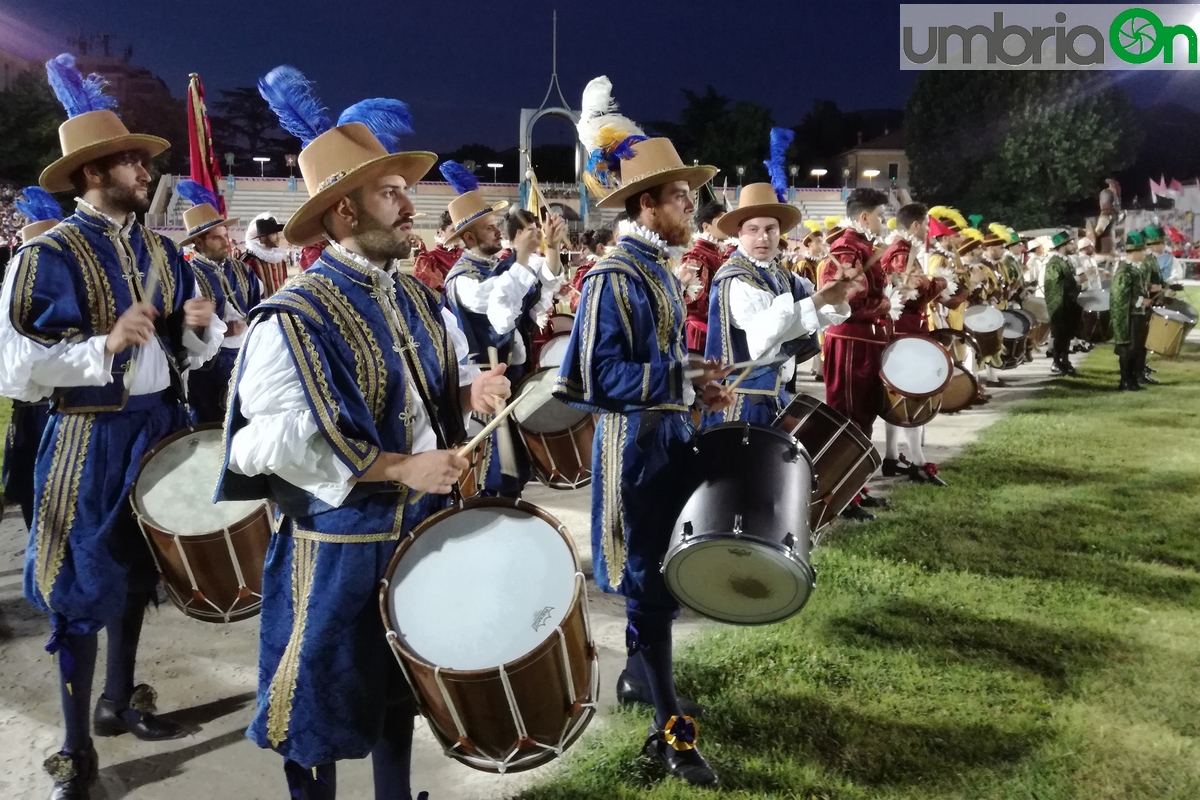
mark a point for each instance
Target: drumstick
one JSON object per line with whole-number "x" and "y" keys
{"x": 466, "y": 449}
{"x": 691, "y": 374}
{"x": 504, "y": 443}
{"x": 745, "y": 374}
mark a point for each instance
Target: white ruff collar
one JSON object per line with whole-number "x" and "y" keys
{"x": 271, "y": 255}
{"x": 705, "y": 236}
{"x": 760, "y": 264}
{"x": 917, "y": 244}
{"x": 630, "y": 228}
{"x": 861, "y": 230}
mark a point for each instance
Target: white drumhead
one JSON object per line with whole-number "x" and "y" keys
{"x": 1037, "y": 307}
{"x": 554, "y": 351}
{"x": 482, "y": 587}
{"x": 1016, "y": 325}
{"x": 983, "y": 319}
{"x": 1094, "y": 300}
{"x": 175, "y": 488}
{"x": 737, "y": 580}
{"x": 915, "y": 365}
{"x": 562, "y": 323}
{"x": 1173, "y": 315}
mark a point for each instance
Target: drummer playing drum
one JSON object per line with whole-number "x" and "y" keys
{"x": 348, "y": 393}
{"x": 759, "y": 310}
{"x": 627, "y": 361}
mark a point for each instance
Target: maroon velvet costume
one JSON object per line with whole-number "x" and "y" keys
{"x": 854, "y": 349}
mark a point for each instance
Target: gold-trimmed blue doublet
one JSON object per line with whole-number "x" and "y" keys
{"x": 625, "y": 360}
{"x": 326, "y": 675}
{"x": 232, "y": 287}
{"x": 85, "y": 552}
{"x": 761, "y": 396}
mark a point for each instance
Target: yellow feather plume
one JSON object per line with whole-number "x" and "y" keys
{"x": 971, "y": 233}
{"x": 610, "y": 136}
{"x": 939, "y": 212}
{"x": 999, "y": 229}
{"x": 812, "y": 225}
{"x": 958, "y": 218}
{"x": 891, "y": 223}
{"x": 831, "y": 222}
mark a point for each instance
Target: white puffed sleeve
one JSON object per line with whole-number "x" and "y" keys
{"x": 30, "y": 371}
{"x": 281, "y": 436}
{"x": 551, "y": 285}
{"x": 770, "y": 320}
{"x": 201, "y": 350}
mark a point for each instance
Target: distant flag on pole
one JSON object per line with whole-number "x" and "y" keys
{"x": 204, "y": 168}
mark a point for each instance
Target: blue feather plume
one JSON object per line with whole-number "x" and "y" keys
{"x": 38, "y": 205}
{"x": 781, "y": 139}
{"x": 459, "y": 177}
{"x": 290, "y": 95}
{"x": 196, "y": 194}
{"x": 387, "y": 119}
{"x": 77, "y": 94}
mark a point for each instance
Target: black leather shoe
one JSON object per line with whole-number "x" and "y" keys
{"x": 857, "y": 512}
{"x": 73, "y": 774}
{"x": 633, "y": 692}
{"x": 687, "y": 764}
{"x": 871, "y": 501}
{"x": 1148, "y": 379}
{"x": 892, "y": 468}
{"x": 923, "y": 474}
{"x": 138, "y": 718}
{"x": 1150, "y": 370}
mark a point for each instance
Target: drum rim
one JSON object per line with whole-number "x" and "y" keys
{"x": 743, "y": 424}
{"x": 517, "y": 393}
{"x": 981, "y": 309}
{"x": 144, "y": 521}
{"x": 578, "y": 597}
{"x": 805, "y": 567}
{"x": 824, "y": 408}
{"x": 945, "y": 354}
{"x": 1019, "y": 315}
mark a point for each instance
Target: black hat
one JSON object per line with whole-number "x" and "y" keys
{"x": 266, "y": 226}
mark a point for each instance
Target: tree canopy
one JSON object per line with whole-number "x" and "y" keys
{"x": 1023, "y": 147}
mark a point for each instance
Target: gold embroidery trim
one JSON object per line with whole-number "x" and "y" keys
{"x": 95, "y": 281}
{"x": 283, "y": 683}
{"x": 370, "y": 370}
{"x": 60, "y": 499}
{"x": 349, "y": 538}
{"x": 612, "y": 522}
{"x": 312, "y": 373}
{"x": 158, "y": 261}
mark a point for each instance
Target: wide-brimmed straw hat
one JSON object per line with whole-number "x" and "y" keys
{"x": 654, "y": 163}
{"x": 759, "y": 200}
{"x": 339, "y": 161}
{"x": 468, "y": 209}
{"x": 89, "y": 136}
{"x": 199, "y": 219}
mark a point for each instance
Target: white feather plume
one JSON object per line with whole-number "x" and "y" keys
{"x": 896, "y": 301}
{"x": 951, "y": 283}
{"x": 599, "y": 110}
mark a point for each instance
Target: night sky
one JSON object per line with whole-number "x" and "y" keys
{"x": 466, "y": 68}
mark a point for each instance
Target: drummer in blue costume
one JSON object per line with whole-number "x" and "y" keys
{"x": 627, "y": 361}
{"x": 229, "y": 283}
{"x": 97, "y": 314}
{"x": 348, "y": 392}
{"x": 496, "y": 303}
{"x": 759, "y": 310}
{"x": 28, "y": 419}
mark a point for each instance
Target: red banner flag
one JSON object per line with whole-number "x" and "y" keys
{"x": 204, "y": 168}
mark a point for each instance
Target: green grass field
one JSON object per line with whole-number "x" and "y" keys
{"x": 1031, "y": 632}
